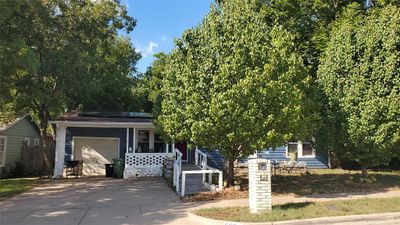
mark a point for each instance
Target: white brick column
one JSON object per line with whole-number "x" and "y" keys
{"x": 60, "y": 151}
{"x": 259, "y": 185}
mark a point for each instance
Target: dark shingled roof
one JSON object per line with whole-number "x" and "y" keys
{"x": 107, "y": 117}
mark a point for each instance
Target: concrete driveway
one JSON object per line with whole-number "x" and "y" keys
{"x": 96, "y": 201}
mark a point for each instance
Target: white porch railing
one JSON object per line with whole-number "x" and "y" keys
{"x": 208, "y": 185}
{"x": 201, "y": 161}
{"x": 144, "y": 164}
{"x": 177, "y": 169}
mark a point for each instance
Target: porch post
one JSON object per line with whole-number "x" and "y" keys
{"x": 127, "y": 140}
{"x": 134, "y": 140}
{"x": 60, "y": 151}
{"x": 173, "y": 148}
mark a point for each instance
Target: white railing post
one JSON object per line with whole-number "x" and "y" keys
{"x": 177, "y": 169}
{"x": 220, "y": 182}
{"x": 196, "y": 157}
{"x": 183, "y": 183}
{"x": 209, "y": 178}
{"x": 174, "y": 178}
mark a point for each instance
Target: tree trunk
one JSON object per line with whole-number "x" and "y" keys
{"x": 364, "y": 169}
{"x": 231, "y": 172}
{"x": 44, "y": 118}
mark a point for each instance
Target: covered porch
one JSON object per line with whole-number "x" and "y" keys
{"x": 96, "y": 139}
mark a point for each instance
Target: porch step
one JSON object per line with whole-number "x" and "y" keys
{"x": 188, "y": 167}
{"x": 193, "y": 182}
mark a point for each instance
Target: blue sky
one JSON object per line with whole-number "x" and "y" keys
{"x": 159, "y": 22}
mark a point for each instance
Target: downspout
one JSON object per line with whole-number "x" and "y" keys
{"x": 368, "y": 4}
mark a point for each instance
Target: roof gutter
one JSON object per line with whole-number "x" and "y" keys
{"x": 102, "y": 124}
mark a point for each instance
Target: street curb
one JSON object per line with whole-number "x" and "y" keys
{"x": 381, "y": 218}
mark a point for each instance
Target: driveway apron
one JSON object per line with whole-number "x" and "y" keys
{"x": 96, "y": 201}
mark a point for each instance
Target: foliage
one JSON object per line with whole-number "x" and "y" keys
{"x": 15, "y": 56}
{"x": 111, "y": 81}
{"x": 236, "y": 91}
{"x": 154, "y": 75}
{"x": 71, "y": 57}
{"x": 360, "y": 75}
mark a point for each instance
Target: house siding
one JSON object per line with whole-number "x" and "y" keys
{"x": 15, "y": 137}
{"x": 320, "y": 161}
{"x": 216, "y": 160}
{"x": 94, "y": 132}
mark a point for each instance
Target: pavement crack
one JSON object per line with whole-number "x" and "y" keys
{"x": 26, "y": 215}
{"x": 140, "y": 210}
{"x": 83, "y": 216}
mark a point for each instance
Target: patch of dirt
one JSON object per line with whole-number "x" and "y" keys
{"x": 228, "y": 193}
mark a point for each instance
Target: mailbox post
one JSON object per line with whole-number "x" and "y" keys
{"x": 259, "y": 185}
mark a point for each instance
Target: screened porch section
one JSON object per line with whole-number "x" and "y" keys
{"x": 150, "y": 142}
{"x": 148, "y": 155}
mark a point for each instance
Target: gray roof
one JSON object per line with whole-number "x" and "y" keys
{"x": 107, "y": 117}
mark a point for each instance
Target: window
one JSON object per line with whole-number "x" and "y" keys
{"x": 143, "y": 141}
{"x": 36, "y": 142}
{"x": 159, "y": 145}
{"x": 27, "y": 141}
{"x": 291, "y": 150}
{"x": 304, "y": 149}
{"x": 307, "y": 149}
{"x": 3, "y": 146}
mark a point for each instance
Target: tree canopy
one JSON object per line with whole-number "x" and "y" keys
{"x": 67, "y": 55}
{"x": 360, "y": 75}
{"x": 236, "y": 91}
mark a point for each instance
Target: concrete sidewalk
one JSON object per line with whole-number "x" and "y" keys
{"x": 96, "y": 202}
{"x": 282, "y": 199}
{"x": 371, "y": 219}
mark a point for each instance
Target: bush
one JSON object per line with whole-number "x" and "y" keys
{"x": 18, "y": 170}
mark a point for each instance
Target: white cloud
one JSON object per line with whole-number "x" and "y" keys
{"x": 164, "y": 38}
{"x": 148, "y": 51}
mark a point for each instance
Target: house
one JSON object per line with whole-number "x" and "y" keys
{"x": 301, "y": 151}
{"x": 97, "y": 138}
{"x": 13, "y": 136}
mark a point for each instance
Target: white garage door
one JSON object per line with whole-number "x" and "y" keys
{"x": 95, "y": 152}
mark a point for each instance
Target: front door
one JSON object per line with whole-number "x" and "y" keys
{"x": 182, "y": 147}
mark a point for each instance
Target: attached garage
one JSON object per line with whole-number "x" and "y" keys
{"x": 95, "y": 152}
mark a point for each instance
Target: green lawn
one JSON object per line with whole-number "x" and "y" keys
{"x": 334, "y": 181}
{"x": 11, "y": 187}
{"x": 326, "y": 181}
{"x": 304, "y": 210}
{"x": 317, "y": 181}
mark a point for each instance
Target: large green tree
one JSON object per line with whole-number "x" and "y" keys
{"x": 236, "y": 83}
{"x": 360, "y": 75}
{"x": 80, "y": 61}
{"x": 15, "y": 56}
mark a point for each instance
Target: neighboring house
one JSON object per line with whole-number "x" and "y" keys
{"x": 97, "y": 138}
{"x": 303, "y": 151}
{"x": 13, "y": 136}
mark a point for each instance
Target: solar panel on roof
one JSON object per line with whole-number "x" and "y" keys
{"x": 117, "y": 114}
